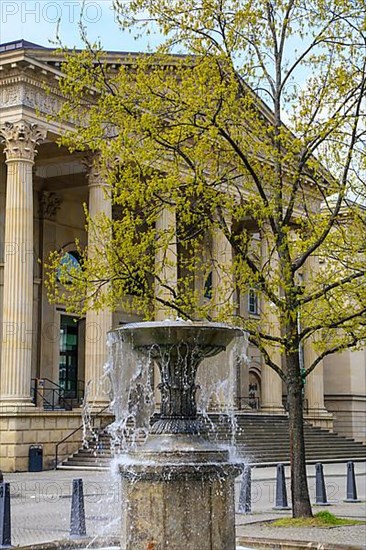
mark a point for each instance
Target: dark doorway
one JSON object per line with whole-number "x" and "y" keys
{"x": 68, "y": 361}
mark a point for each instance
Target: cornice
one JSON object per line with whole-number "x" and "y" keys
{"x": 22, "y": 78}
{"x": 12, "y": 60}
{"x": 43, "y": 66}
{"x": 37, "y": 74}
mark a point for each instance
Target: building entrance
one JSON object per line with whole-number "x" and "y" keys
{"x": 68, "y": 360}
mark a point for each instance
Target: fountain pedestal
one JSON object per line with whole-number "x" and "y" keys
{"x": 178, "y": 488}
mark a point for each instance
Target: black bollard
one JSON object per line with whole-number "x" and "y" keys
{"x": 351, "y": 484}
{"x": 320, "y": 492}
{"x": 281, "y": 492}
{"x": 77, "y": 518}
{"x": 5, "y": 522}
{"x": 245, "y": 495}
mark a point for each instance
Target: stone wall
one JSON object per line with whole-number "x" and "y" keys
{"x": 36, "y": 427}
{"x": 349, "y": 416}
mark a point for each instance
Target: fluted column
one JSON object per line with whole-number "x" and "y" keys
{"x": 222, "y": 274}
{"x": 271, "y": 383}
{"x": 166, "y": 265}
{"x": 166, "y": 268}
{"x": 222, "y": 373}
{"x": 97, "y": 323}
{"x": 314, "y": 382}
{"x": 21, "y": 140}
{"x": 271, "y": 388}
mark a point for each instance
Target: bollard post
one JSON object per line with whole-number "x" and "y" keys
{"x": 77, "y": 518}
{"x": 320, "y": 492}
{"x": 351, "y": 484}
{"x": 281, "y": 492}
{"x": 5, "y": 521}
{"x": 245, "y": 495}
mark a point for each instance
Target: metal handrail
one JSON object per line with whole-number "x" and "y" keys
{"x": 57, "y": 390}
{"x": 58, "y": 385}
{"x": 48, "y": 380}
{"x": 36, "y": 392}
{"x": 93, "y": 417}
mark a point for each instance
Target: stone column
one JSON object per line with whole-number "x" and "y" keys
{"x": 221, "y": 376}
{"x": 97, "y": 323}
{"x": 3, "y": 175}
{"x": 166, "y": 264}
{"x": 222, "y": 276}
{"x": 2, "y": 238}
{"x": 21, "y": 140}
{"x": 314, "y": 382}
{"x": 271, "y": 383}
{"x": 271, "y": 390}
{"x": 49, "y": 333}
{"x": 315, "y": 410}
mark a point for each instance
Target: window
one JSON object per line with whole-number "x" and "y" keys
{"x": 253, "y": 302}
{"x": 207, "y": 293}
{"x": 72, "y": 261}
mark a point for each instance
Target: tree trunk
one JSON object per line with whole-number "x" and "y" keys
{"x": 301, "y": 506}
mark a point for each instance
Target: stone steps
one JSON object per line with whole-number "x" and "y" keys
{"x": 262, "y": 438}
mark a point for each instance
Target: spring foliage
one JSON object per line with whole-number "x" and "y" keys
{"x": 235, "y": 160}
{"x": 253, "y": 140}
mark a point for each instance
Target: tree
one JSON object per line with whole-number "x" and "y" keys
{"x": 248, "y": 120}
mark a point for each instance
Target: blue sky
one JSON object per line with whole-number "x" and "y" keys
{"x": 36, "y": 21}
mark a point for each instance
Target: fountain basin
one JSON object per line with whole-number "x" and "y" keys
{"x": 161, "y": 333}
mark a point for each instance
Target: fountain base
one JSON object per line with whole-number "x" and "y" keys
{"x": 178, "y": 498}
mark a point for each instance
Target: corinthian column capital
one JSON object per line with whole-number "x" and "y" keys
{"x": 95, "y": 174}
{"x": 21, "y": 140}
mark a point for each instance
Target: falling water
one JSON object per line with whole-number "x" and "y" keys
{"x": 177, "y": 473}
{"x": 132, "y": 395}
{"x": 131, "y": 376}
{"x": 129, "y": 369}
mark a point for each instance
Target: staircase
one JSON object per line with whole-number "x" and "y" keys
{"x": 263, "y": 439}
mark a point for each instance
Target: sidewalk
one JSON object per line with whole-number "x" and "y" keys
{"x": 41, "y": 504}
{"x": 263, "y": 499}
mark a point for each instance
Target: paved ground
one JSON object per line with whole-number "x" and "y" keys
{"x": 41, "y": 506}
{"x": 263, "y": 500}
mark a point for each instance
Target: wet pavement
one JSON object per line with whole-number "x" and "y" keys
{"x": 41, "y": 502}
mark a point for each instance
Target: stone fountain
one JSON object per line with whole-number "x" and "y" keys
{"x": 178, "y": 488}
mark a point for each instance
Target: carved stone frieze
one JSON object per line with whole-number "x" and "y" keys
{"x": 49, "y": 204}
{"x": 10, "y": 96}
{"x": 21, "y": 139}
{"x": 22, "y": 94}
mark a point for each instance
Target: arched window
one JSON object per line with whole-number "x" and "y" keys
{"x": 71, "y": 261}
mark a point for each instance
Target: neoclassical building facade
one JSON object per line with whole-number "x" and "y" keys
{"x": 49, "y": 356}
